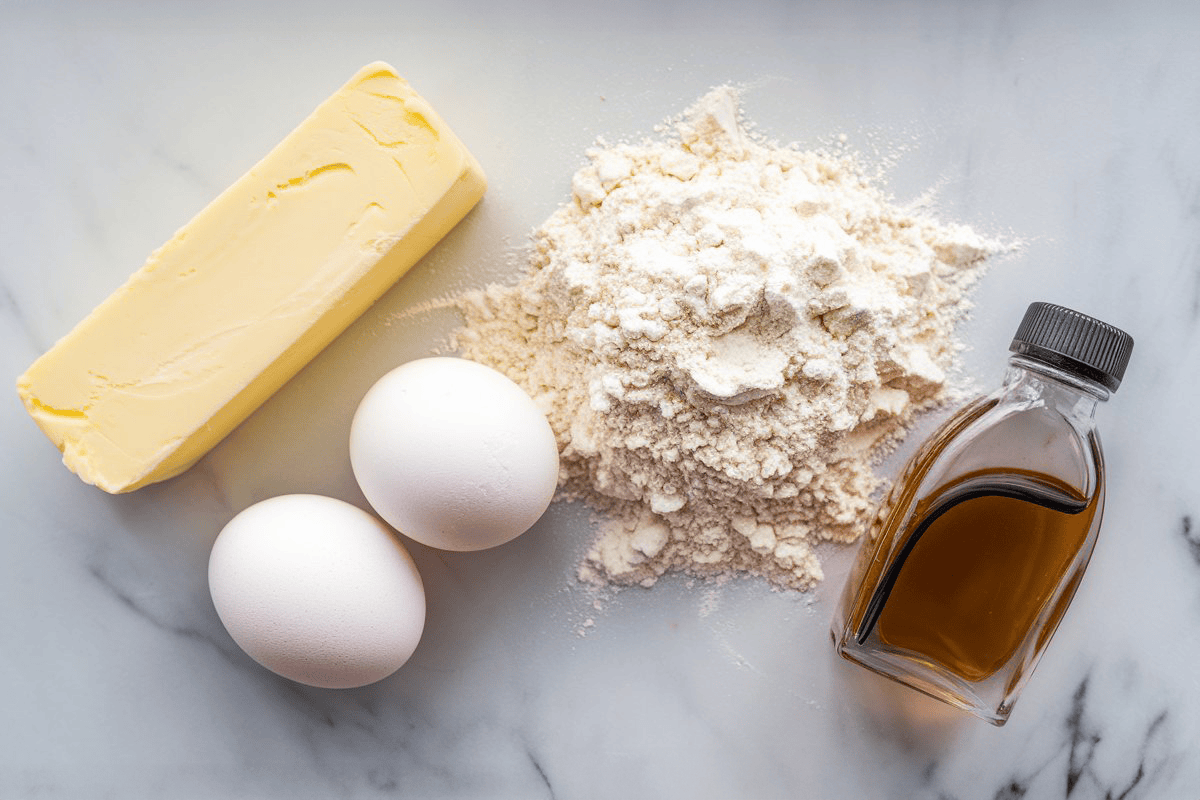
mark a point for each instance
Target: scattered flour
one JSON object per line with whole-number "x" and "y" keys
{"x": 724, "y": 333}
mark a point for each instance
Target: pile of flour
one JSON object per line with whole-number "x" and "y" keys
{"x": 724, "y": 333}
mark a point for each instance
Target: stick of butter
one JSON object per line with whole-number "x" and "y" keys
{"x": 254, "y": 287}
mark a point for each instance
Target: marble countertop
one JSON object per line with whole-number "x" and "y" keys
{"x": 1072, "y": 126}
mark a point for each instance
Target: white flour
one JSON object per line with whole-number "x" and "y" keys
{"x": 723, "y": 332}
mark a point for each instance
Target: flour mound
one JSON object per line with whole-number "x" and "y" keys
{"x": 723, "y": 333}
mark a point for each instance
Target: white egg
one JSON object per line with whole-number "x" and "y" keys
{"x": 453, "y": 454}
{"x": 317, "y": 590}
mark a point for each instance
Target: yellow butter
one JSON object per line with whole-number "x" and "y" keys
{"x": 257, "y": 284}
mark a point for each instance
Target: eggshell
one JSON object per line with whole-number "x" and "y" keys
{"x": 453, "y": 454}
{"x": 317, "y": 590}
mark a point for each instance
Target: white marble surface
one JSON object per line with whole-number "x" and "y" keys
{"x": 1073, "y": 126}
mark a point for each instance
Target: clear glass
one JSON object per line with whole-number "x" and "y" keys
{"x": 975, "y": 554}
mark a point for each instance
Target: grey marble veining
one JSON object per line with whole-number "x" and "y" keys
{"x": 1070, "y": 126}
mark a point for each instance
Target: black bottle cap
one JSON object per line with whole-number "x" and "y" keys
{"x": 1075, "y": 343}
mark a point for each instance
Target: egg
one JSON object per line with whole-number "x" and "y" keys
{"x": 453, "y": 454}
{"x": 317, "y": 590}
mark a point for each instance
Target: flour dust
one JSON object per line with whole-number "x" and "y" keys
{"x": 725, "y": 334}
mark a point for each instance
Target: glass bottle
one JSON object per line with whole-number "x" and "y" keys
{"x": 977, "y": 550}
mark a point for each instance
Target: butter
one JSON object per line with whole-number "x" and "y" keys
{"x": 254, "y": 286}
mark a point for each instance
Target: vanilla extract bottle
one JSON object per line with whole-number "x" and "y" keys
{"x": 976, "y": 552}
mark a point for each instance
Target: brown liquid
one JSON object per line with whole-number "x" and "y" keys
{"x": 974, "y": 580}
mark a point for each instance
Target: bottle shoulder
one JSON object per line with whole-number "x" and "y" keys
{"x": 1013, "y": 432}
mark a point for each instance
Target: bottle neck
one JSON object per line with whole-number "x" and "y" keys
{"x": 1071, "y": 394}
